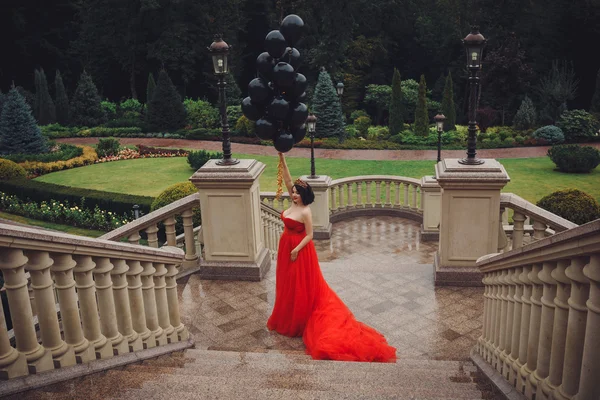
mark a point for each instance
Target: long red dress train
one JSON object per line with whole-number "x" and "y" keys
{"x": 306, "y": 306}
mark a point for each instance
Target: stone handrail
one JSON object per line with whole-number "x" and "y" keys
{"x": 114, "y": 298}
{"x": 542, "y": 315}
{"x": 544, "y": 224}
{"x": 278, "y": 204}
{"x": 272, "y": 228}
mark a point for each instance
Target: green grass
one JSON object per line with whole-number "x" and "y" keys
{"x": 531, "y": 178}
{"x": 49, "y": 225}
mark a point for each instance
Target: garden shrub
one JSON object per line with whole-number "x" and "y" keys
{"x": 578, "y": 125}
{"x": 165, "y": 109}
{"x": 519, "y": 140}
{"x": 526, "y": 115}
{"x": 10, "y": 170}
{"x": 362, "y": 125}
{"x": 102, "y": 131}
{"x": 62, "y": 152}
{"x": 351, "y": 131}
{"x": 130, "y": 109}
{"x": 550, "y": 133}
{"x": 357, "y": 114}
{"x": 197, "y": 159}
{"x": 233, "y": 114}
{"x": 173, "y": 193}
{"x": 109, "y": 108}
{"x": 244, "y": 126}
{"x": 571, "y": 204}
{"x": 149, "y": 150}
{"x": 36, "y": 168}
{"x": 201, "y": 114}
{"x": 574, "y": 158}
{"x": 107, "y": 147}
{"x": 486, "y": 117}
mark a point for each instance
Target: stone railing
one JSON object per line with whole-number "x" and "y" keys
{"x": 542, "y": 315}
{"x": 272, "y": 228}
{"x": 114, "y": 298}
{"x": 191, "y": 237}
{"x": 280, "y": 204}
{"x": 530, "y": 222}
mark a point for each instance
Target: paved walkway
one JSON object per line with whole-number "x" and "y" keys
{"x": 516, "y": 152}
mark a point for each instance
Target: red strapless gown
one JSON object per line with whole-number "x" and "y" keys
{"x": 306, "y": 306}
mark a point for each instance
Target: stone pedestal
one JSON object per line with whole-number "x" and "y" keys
{"x": 469, "y": 220}
{"x": 320, "y": 207}
{"x": 231, "y": 222}
{"x": 432, "y": 206}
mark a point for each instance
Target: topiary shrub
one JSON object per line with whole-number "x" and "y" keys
{"x": 173, "y": 193}
{"x": 108, "y": 147}
{"x": 574, "y": 158}
{"x": 550, "y": 133}
{"x": 197, "y": 159}
{"x": 10, "y": 170}
{"x": 578, "y": 125}
{"x": 571, "y": 204}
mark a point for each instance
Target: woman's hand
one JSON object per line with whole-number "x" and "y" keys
{"x": 294, "y": 254}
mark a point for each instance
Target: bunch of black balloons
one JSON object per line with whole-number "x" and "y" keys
{"x": 275, "y": 98}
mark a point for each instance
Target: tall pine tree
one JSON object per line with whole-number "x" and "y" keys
{"x": 396, "y": 105}
{"x": 165, "y": 110}
{"x": 448, "y": 108}
{"x": 326, "y": 106}
{"x": 526, "y": 115}
{"x": 150, "y": 87}
{"x": 421, "y": 114}
{"x": 19, "y": 133}
{"x": 595, "y": 106}
{"x": 47, "y": 111}
{"x": 62, "y": 101}
{"x": 85, "y": 105}
{"x": 38, "y": 95}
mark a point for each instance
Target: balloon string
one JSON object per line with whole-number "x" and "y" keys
{"x": 279, "y": 180}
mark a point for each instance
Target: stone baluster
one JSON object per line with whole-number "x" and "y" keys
{"x": 576, "y": 325}
{"x": 134, "y": 238}
{"x": 493, "y": 316}
{"x": 589, "y": 387}
{"x": 525, "y": 319}
{"x": 512, "y": 371}
{"x": 334, "y": 204}
{"x": 510, "y": 310}
{"x": 170, "y": 231}
{"x": 378, "y": 193}
{"x": 265, "y": 224}
{"x": 518, "y": 230}
{"x": 106, "y": 305}
{"x": 152, "y": 232}
{"x": 499, "y": 326}
{"x": 397, "y": 203}
{"x": 340, "y": 189}
{"x": 280, "y": 203}
{"x": 43, "y": 287}
{"x": 559, "y": 330}
{"x": 191, "y": 258}
{"x": 482, "y": 341}
{"x": 162, "y": 305}
{"x": 31, "y": 294}
{"x": 12, "y": 363}
{"x": 359, "y": 194}
{"x": 539, "y": 230}
{"x": 350, "y": 200}
{"x": 136, "y": 304}
{"x": 150, "y": 303}
{"x": 121, "y": 295}
{"x": 369, "y": 202}
{"x": 406, "y": 198}
{"x": 271, "y": 202}
{"x": 181, "y": 332}
{"x": 388, "y": 194}
{"x": 534, "y": 330}
{"x": 503, "y": 321}
{"x": 62, "y": 270}
{"x": 415, "y": 189}
{"x": 86, "y": 290}
{"x": 502, "y": 240}
{"x": 547, "y": 322}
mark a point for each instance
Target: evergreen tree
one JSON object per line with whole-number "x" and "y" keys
{"x": 1, "y": 101}
{"x": 396, "y": 105}
{"x": 47, "y": 111}
{"x": 85, "y": 105}
{"x": 448, "y": 108}
{"x": 28, "y": 96}
{"x": 38, "y": 95}
{"x": 62, "y": 101}
{"x": 232, "y": 91}
{"x": 165, "y": 110}
{"x": 595, "y": 105}
{"x": 326, "y": 106}
{"x": 150, "y": 87}
{"x": 526, "y": 115}
{"x": 19, "y": 133}
{"x": 421, "y": 114}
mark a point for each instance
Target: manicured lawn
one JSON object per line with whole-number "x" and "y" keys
{"x": 49, "y": 225}
{"x": 531, "y": 178}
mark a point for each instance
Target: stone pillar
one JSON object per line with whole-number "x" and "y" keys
{"x": 469, "y": 219}
{"x": 173, "y": 302}
{"x": 121, "y": 295}
{"x": 136, "y": 304}
{"x": 234, "y": 246}
{"x": 320, "y": 208}
{"x": 162, "y": 305}
{"x": 431, "y": 202}
{"x": 150, "y": 303}
{"x": 191, "y": 257}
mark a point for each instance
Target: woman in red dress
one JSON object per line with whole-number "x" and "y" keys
{"x": 304, "y": 304}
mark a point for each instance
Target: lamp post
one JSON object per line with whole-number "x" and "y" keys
{"x": 340, "y": 89}
{"x": 219, "y": 50}
{"x": 311, "y": 123}
{"x": 474, "y": 43}
{"x": 439, "y": 122}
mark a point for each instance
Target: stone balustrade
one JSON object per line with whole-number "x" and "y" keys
{"x": 114, "y": 298}
{"x": 542, "y": 313}
{"x": 270, "y": 198}
{"x": 272, "y": 228}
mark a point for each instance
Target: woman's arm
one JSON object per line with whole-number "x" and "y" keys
{"x": 287, "y": 177}
{"x": 308, "y": 226}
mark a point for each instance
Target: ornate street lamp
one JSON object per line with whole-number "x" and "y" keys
{"x": 439, "y": 122}
{"x": 219, "y": 50}
{"x": 474, "y": 44}
{"x": 340, "y": 89}
{"x": 311, "y": 123}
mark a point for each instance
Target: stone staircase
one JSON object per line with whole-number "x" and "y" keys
{"x": 211, "y": 374}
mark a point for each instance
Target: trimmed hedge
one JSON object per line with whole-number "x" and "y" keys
{"x": 176, "y": 192}
{"x": 9, "y": 170}
{"x": 42, "y": 191}
{"x": 572, "y": 204}
{"x": 35, "y": 168}
{"x": 64, "y": 152}
{"x": 574, "y": 158}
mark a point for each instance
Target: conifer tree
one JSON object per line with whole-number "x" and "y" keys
{"x": 165, "y": 110}
{"x": 421, "y": 114}
{"x": 19, "y": 133}
{"x": 326, "y": 106}
{"x": 526, "y": 115}
{"x": 62, "y": 101}
{"x": 595, "y": 105}
{"x": 85, "y": 109}
{"x": 2, "y": 95}
{"x": 47, "y": 111}
{"x": 232, "y": 91}
{"x": 150, "y": 87}
{"x": 38, "y": 95}
{"x": 396, "y": 105}
{"x": 448, "y": 107}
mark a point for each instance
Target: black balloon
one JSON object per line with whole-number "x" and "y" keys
{"x": 258, "y": 90}
{"x": 279, "y": 108}
{"x": 298, "y": 114}
{"x": 292, "y": 27}
{"x": 300, "y": 85}
{"x": 284, "y": 142}
{"x": 298, "y": 133}
{"x": 251, "y": 110}
{"x": 292, "y": 57}
{"x": 275, "y": 44}
{"x": 265, "y": 64}
{"x": 265, "y": 129}
{"x": 283, "y": 75}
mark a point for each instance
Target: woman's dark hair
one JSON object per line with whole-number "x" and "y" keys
{"x": 306, "y": 193}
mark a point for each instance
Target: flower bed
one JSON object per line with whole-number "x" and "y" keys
{"x": 143, "y": 152}
{"x": 37, "y": 168}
